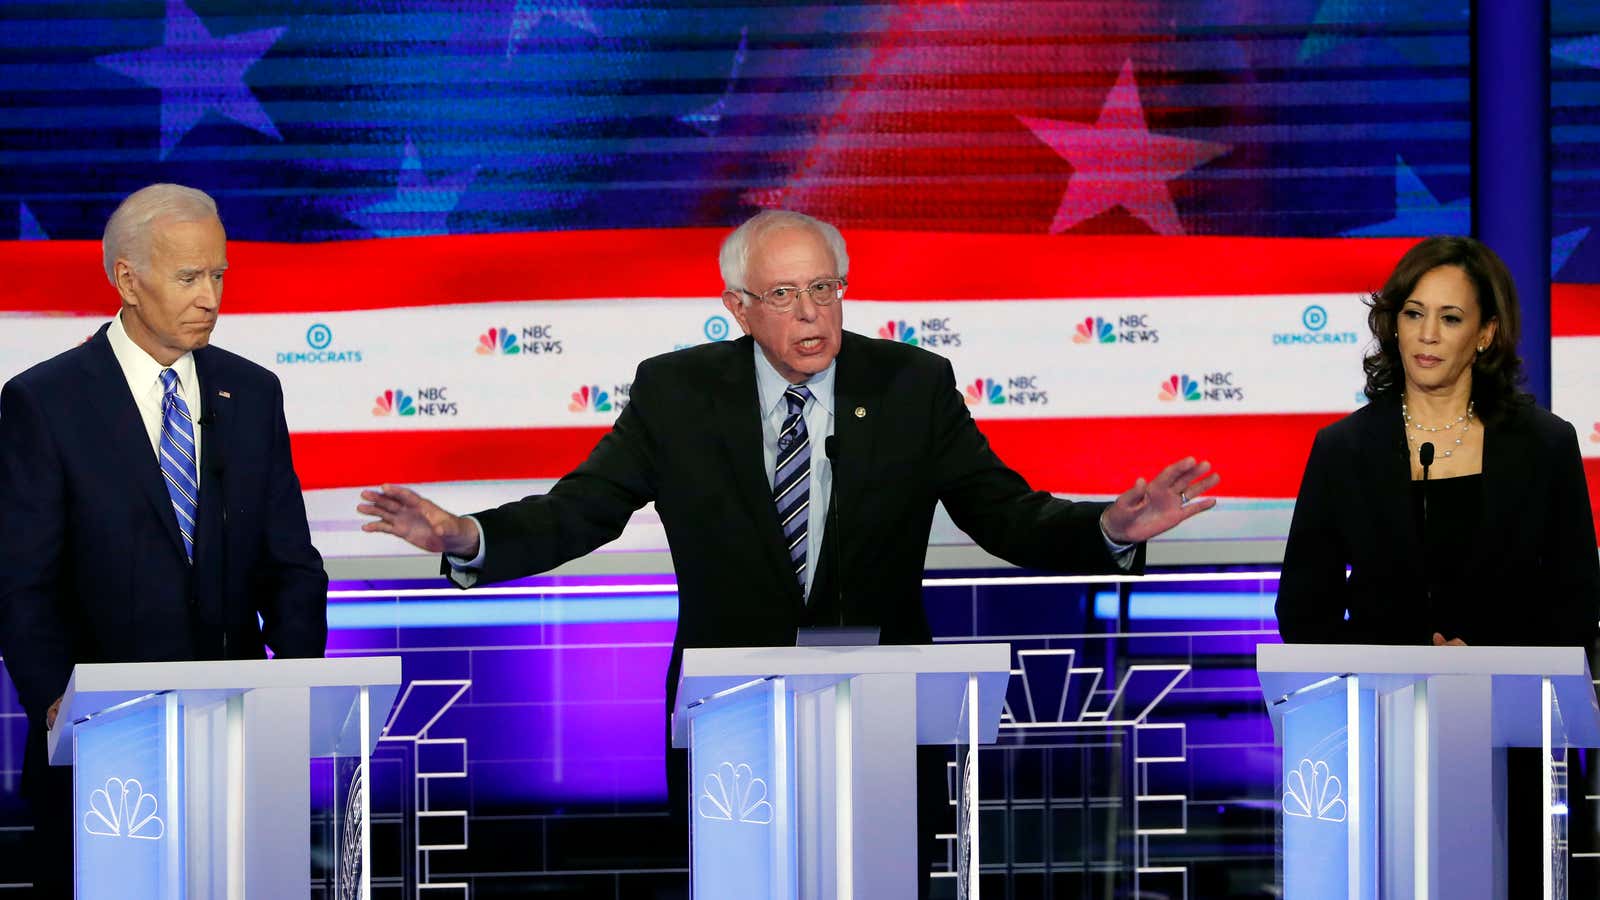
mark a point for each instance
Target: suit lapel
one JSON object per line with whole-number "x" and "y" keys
{"x": 738, "y": 421}
{"x": 115, "y": 407}
{"x": 856, "y": 396}
{"x": 213, "y": 424}
{"x": 1506, "y": 471}
{"x": 1389, "y": 467}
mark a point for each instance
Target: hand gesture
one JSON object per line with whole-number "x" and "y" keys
{"x": 418, "y": 521}
{"x": 1148, "y": 509}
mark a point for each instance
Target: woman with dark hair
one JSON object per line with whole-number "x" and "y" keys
{"x": 1492, "y": 544}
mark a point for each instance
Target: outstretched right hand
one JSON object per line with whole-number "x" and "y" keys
{"x": 419, "y": 521}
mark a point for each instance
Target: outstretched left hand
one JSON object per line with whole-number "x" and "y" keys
{"x": 1151, "y": 508}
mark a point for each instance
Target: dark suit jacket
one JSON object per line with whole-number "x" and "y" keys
{"x": 92, "y": 566}
{"x": 690, "y": 440}
{"x": 1532, "y": 563}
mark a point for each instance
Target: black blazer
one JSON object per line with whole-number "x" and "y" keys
{"x": 690, "y": 440}
{"x": 1532, "y": 562}
{"x": 92, "y": 566}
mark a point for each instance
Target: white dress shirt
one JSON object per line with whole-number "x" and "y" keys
{"x": 144, "y": 382}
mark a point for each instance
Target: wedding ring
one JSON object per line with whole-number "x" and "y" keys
{"x": 1183, "y": 498}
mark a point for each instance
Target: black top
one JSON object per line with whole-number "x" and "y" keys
{"x": 1352, "y": 571}
{"x": 1453, "y": 513}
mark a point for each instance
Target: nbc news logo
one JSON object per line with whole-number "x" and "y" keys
{"x": 1134, "y": 328}
{"x": 530, "y": 340}
{"x": 1018, "y": 390}
{"x": 424, "y": 401}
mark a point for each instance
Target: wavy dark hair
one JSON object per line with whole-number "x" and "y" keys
{"x": 1497, "y": 371}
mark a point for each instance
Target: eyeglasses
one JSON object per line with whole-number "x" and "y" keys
{"x": 822, "y": 292}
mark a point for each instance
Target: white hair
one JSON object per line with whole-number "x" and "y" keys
{"x": 735, "y": 255}
{"x": 127, "y": 234}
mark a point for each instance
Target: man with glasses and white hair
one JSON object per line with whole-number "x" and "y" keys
{"x": 147, "y": 497}
{"x": 727, "y": 439}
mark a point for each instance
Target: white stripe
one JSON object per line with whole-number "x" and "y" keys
{"x": 172, "y": 481}
{"x": 166, "y": 432}
{"x": 797, "y": 448}
{"x": 179, "y": 466}
{"x": 174, "y": 425}
{"x": 777, "y": 499}
{"x": 179, "y": 507}
{"x": 797, "y": 511}
{"x": 789, "y": 425}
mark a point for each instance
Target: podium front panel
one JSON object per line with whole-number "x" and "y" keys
{"x": 127, "y": 802}
{"x": 742, "y": 795}
{"x": 1329, "y": 780}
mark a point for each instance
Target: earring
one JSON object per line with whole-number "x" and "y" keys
{"x": 1483, "y": 348}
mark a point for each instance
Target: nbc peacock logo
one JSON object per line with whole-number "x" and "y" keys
{"x": 1594, "y": 436}
{"x": 502, "y": 341}
{"x": 394, "y": 403}
{"x": 1094, "y": 330}
{"x": 590, "y": 398}
{"x": 901, "y": 331}
{"x": 1179, "y": 387}
{"x": 984, "y": 391}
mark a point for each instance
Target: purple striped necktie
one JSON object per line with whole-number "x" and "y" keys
{"x": 791, "y": 485}
{"x": 176, "y": 452}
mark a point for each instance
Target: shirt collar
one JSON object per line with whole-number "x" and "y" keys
{"x": 770, "y": 385}
{"x": 139, "y": 367}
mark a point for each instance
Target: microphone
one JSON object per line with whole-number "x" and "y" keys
{"x": 839, "y": 634}
{"x": 215, "y": 464}
{"x": 1425, "y": 456}
{"x": 830, "y": 446}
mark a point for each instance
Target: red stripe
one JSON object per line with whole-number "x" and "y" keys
{"x": 1591, "y": 471}
{"x": 66, "y": 276}
{"x": 364, "y": 458}
{"x": 1257, "y": 456}
{"x": 1574, "y": 310}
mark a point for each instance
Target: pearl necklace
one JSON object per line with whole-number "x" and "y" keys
{"x": 1464, "y": 420}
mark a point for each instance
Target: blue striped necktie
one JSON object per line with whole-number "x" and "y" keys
{"x": 177, "y": 458}
{"x": 791, "y": 486}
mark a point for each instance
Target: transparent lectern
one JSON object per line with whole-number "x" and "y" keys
{"x": 192, "y": 779}
{"x": 803, "y": 763}
{"x": 1394, "y": 764}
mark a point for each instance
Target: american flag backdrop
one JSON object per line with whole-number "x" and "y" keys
{"x": 1575, "y": 226}
{"x": 1149, "y": 222}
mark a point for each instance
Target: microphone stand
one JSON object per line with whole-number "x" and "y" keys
{"x": 831, "y": 447}
{"x": 1425, "y": 456}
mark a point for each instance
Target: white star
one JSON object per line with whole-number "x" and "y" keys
{"x": 198, "y": 73}
{"x": 530, "y": 13}
{"x": 419, "y": 206}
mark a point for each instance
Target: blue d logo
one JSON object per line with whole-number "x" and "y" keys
{"x": 716, "y": 328}
{"x": 319, "y": 336}
{"x": 1315, "y": 318}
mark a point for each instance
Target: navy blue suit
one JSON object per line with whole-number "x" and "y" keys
{"x": 92, "y": 566}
